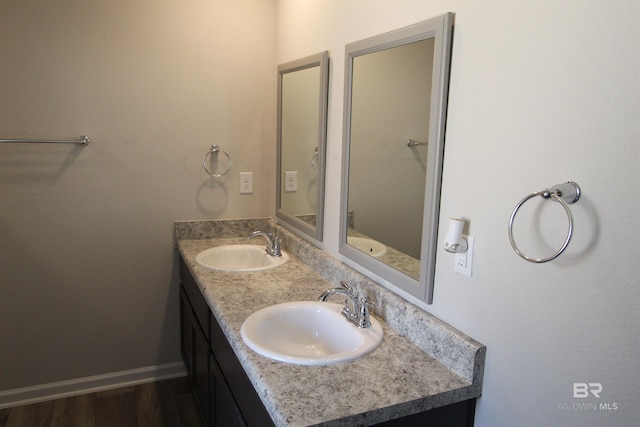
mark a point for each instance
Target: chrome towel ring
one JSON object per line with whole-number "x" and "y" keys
{"x": 565, "y": 194}
{"x": 215, "y": 149}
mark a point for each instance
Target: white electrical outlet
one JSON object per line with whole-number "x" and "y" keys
{"x": 464, "y": 262}
{"x": 246, "y": 182}
{"x": 291, "y": 181}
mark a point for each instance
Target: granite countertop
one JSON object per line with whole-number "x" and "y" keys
{"x": 398, "y": 378}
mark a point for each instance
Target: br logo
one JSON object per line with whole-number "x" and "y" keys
{"x": 583, "y": 390}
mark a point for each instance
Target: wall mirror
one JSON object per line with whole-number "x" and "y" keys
{"x": 302, "y": 129}
{"x": 396, "y": 88}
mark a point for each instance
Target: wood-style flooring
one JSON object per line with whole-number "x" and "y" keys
{"x": 168, "y": 403}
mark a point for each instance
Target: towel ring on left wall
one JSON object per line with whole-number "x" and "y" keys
{"x": 565, "y": 194}
{"x": 215, "y": 149}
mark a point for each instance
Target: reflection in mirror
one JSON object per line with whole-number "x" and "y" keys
{"x": 390, "y": 89}
{"x": 302, "y": 124}
{"x": 395, "y": 108}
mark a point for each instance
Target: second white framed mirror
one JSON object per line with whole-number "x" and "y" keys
{"x": 302, "y": 127}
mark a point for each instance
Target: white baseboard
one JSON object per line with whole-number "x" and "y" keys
{"x": 60, "y": 389}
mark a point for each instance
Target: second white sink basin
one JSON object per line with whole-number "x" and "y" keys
{"x": 308, "y": 333}
{"x": 368, "y": 246}
{"x": 240, "y": 258}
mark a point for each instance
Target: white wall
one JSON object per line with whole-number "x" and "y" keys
{"x": 87, "y": 263}
{"x": 540, "y": 93}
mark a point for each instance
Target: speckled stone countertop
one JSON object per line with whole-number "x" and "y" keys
{"x": 421, "y": 364}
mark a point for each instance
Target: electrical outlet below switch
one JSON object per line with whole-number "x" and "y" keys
{"x": 464, "y": 261}
{"x": 246, "y": 182}
{"x": 291, "y": 181}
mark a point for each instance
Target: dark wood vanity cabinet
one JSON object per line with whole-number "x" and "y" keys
{"x": 223, "y": 392}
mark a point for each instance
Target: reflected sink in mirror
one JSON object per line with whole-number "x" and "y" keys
{"x": 308, "y": 333}
{"x": 368, "y": 246}
{"x": 240, "y": 258}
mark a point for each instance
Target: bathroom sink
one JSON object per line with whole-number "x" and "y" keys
{"x": 308, "y": 333}
{"x": 241, "y": 258}
{"x": 368, "y": 246}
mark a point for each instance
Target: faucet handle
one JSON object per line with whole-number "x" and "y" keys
{"x": 364, "y": 320}
{"x": 366, "y": 302}
{"x": 345, "y": 286}
{"x": 276, "y": 241}
{"x": 346, "y": 309}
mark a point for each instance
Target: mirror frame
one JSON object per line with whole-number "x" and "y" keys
{"x": 285, "y": 218}
{"x": 441, "y": 29}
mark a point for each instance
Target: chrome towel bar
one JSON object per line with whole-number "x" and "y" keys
{"x": 414, "y": 143}
{"x": 82, "y": 140}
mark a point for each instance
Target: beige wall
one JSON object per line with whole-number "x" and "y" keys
{"x": 540, "y": 93}
{"x": 87, "y": 270}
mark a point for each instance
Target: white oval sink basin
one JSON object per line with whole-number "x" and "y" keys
{"x": 241, "y": 258}
{"x": 308, "y": 333}
{"x": 368, "y": 246}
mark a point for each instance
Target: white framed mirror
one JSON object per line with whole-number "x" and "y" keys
{"x": 396, "y": 87}
{"x": 302, "y": 134}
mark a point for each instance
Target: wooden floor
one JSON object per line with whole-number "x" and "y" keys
{"x": 167, "y": 403}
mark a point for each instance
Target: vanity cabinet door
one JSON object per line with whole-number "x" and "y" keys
{"x": 224, "y": 410}
{"x": 199, "y": 305}
{"x": 200, "y": 377}
{"x": 186, "y": 333}
{"x": 195, "y": 353}
{"x": 241, "y": 391}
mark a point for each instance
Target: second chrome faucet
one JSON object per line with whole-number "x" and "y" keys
{"x": 356, "y": 310}
{"x": 273, "y": 242}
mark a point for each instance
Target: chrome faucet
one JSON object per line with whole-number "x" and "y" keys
{"x": 356, "y": 310}
{"x": 273, "y": 242}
